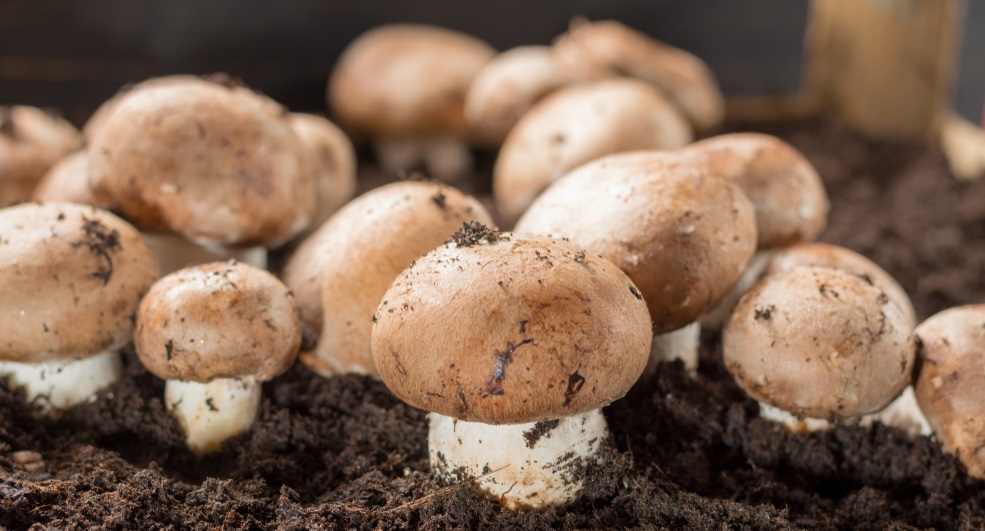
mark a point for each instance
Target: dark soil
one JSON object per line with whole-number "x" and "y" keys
{"x": 343, "y": 453}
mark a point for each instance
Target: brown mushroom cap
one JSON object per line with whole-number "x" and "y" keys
{"x": 218, "y": 164}
{"x": 578, "y": 124}
{"x": 521, "y": 329}
{"x": 609, "y": 45}
{"x": 406, "y": 80}
{"x": 340, "y": 273}
{"x": 71, "y": 277}
{"x": 683, "y": 234}
{"x": 68, "y": 182}
{"x": 334, "y": 162}
{"x": 827, "y": 255}
{"x": 785, "y": 189}
{"x": 950, "y": 386}
{"x": 218, "y": 320}
{"x": 819, "y": 342}
{"x": 98, "y": 118}
{"x": 31, "y": 141}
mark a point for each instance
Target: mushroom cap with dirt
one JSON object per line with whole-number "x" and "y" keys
{"x": 950, "y": 385}
{"x": 578, "y": 124}
{"x": 499, "y": 333}
{"x": 71, "y": 277}
{"x": 334, "y": 163}
{"x": 31, "y": 142}
{"x": 819, "y": 343}
{"x": 340, "y": 273}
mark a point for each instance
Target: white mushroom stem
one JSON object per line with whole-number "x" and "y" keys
{"x": 903, "y": 413}
{"x": 681, "y": 344}
{"x": 716, "y": 317}
{"x": 174, "y": 252}
{"x": 444, "y": 158}
{"x": 791, "y": 421}
{"x": 523, "y": 466}
{"x": 210, "y": 413}
{"x": 59, "y": 385}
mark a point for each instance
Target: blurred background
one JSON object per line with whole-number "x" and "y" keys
{"x": 74, "y": 55}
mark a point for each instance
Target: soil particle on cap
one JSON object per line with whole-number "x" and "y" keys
{"x": 636, "y": 293}
{"x": 580, "y": 256}
{"x": 224, "y": 79}
{"x": 474, "y": 233}
{"x": 764, "y": 313}
{"x": 100, "y": 241}
{"x": 575, "y": 383}
{"x": 532, "y": 436}
{"x": 504, "y": 358}
{"x": 440, "y": 199}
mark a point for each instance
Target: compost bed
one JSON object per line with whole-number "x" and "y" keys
{"x": 689, "y": 453}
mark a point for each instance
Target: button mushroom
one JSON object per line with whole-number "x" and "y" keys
{"x": 68, "y": 182}
{"x": 215, "y": 332}
{"x": 513, "y": 342}
{"x": 31, "y": 142}
{"x": 334, "y": 163}
{"x": 71, "y": 277}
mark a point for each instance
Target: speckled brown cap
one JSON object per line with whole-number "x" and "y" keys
{"x": 950, "y": 386}
{"x": 819, "y": 342}
{"x": 683, "y": 234}
{"x": 31, "y": 141}
{"x": 218, "y": 320}
{"x": 71, "y": 277}
{"x": 510, "y": 328}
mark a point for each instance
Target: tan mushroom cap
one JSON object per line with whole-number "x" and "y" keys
{"x": 31, "y": 141}
{"x": 527, "y": 328}
{"x": 686, "y": 80}
{"x": 218, "y": 320}
{"x": 98, "y": 118}
{"x": 406, "y": 80}
{"x": 683, "y": 234}
{"x": 334, "y": 162}
{"x": 71, "y": 277}
{"x": 827, "y": 255}
{"x": 950, "y": 386}
{"x": 788, "y": 194}
{"x": 819, "y": 342}
{"x": 68, "y": 182}
{"x": 340, "y": 273}
{"x": 578, "y": 124}
{"x": 218, "y": 164}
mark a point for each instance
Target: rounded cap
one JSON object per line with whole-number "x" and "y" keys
{"x": 98, "y": 118}
{"x": 406, "y": 80}
{"x": 333, "y": 161}
{"x": 31, "y": 141}
{"x": 68, "y": 182}
{"x": 681, "y": 233}
{"x": 578, "y": 124}
{"x": 218, "y": 164}
{"x": 609, "y": 45}
{"x": 510, "y": 328}
{"x": 950, "y": 386}
{"x": 788, "y": 194}
{"x": 71, "y": 277}
{"x": 218, "y": 320}
{"x": 818, "y": 342}
{"x": 341, "y": 272}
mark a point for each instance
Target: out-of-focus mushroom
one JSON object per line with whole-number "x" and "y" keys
{"x": 31, "y": 142}
{"x": 68, "y": 182}
{"x": 403, "y": 87}
{"x": 513, "y": 342}
{"x": 333, "y": 161}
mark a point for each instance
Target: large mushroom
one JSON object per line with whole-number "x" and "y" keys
{"x": 31, "y": 142}
{"x": 513, "y": 342}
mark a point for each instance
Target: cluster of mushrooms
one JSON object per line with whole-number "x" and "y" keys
{"x": 627, "y": 239}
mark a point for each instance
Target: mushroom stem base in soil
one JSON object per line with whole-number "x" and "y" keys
{"x": 681, "y": 344}
{"x": 210, "y": 413}
{"x": 174, "y": 252}
{"x": 793, "y": 422}
{"x": 59, "y": 385}
{"x": 903, "y": 413}
{"x": 445, "y": 158}
{"x": 523, "y": 466}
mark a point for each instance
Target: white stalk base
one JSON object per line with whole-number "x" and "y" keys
{"x": 716, "y": 317}
{"x": 681, "y": 344}
{"x": 523, "y": 466}
{"x": 58, "y": 385}
{"x": 793, "y": 422}
{"x": 213, "y": 412}
{"x": 446, "y": 158}
{"x": 174, "y": 252}
{"x": 903, "y": 413}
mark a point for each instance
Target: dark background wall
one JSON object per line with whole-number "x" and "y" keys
{"x": 74, "y": 54}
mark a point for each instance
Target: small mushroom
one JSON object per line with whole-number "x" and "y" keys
{"x": 341, "y": 272}
{"x": 815, "y": 344}
{"x": 578, "y": 124}
{"x": 31, "y": 142}
{"x": 215, "y": 332}
{"x": 403, "y": 87}
{"x": 334, "y": 163}
{"x": 513, "y": 342}
{"x": 68, "y": 182}
{"x": 71, "y": 277}
{"x": 950, "y": 386}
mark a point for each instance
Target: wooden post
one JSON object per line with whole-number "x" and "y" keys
{"x": 885, "y": 67}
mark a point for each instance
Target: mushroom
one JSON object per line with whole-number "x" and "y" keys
{"x": 31, "y": 141}
{"x": 68, "y": 182}
{"x": 513, "y": 342}
{"x": 221, "y": 172}
{"x": 951, "y": 382}
{"x": 684, "y": 78}
{"x": 215, "y": 332}
{"x": 334, "y": 163}
{"x": 403, "y": 87}
{"x": 815, "y": 344}
{"x": 578, "y": 124}
{"x": 71, "y": 277}
{"x": 341, "y": 272}
{"x": 681, "y": 233}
